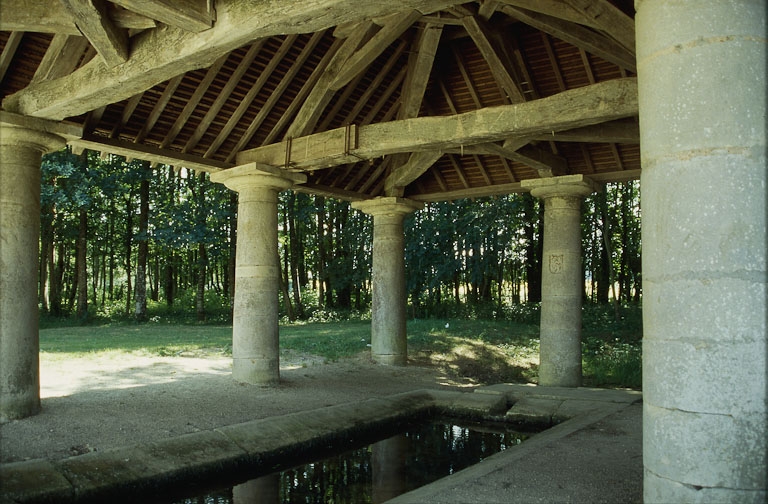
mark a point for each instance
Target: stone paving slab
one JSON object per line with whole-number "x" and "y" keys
{"x": 593, "y": 458}
{"x": 517, "y": 391}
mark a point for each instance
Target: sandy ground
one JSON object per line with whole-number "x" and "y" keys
{"x": 110, "y": 400}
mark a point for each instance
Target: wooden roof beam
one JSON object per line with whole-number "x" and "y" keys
{"x": 393, "y": 28}
{"x": 321, "y": 93}
{"x": 579, "y": 36}
{"x": 625, "y": 131}
{"x": 501, "y": 69}
{"x": 605, "y": 101}
{"x": 275, "y": 95}
{"x": 420, "y": 64}
{"x": 231, "y": 84}
{"x": 545, "y": 163}
{"x": 251, "y": 95}
{"x": 160, "y": 54}
{"x": 14, "y": 39}
{"x": 53, "y": 17}
{"x": 191, "y": 15}
{"x": 605, "y": 16}
{"x": 92, "y": 20}
{"x": 149, "y": 153}
{"x": 554, "y": 8}
{"x": 401, "y": 176}
{"x": 61, "y": 58}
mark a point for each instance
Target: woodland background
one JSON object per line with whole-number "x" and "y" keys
{"x": 120, "y": 236}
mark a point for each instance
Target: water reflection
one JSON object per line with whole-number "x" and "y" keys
{"x": 375, "y": 473}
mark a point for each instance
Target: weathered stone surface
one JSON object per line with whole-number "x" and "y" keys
{"x": 561, "y": 277}
{"x": 21, "y": 151}
{"x": 33, "y": 481}
{"x": 255, "y": 335}
{"x": 533, "y": 410}
{"x": 701, "y": 83}
{"x": 476, "y": 405}
{"x": 389, "y": 344}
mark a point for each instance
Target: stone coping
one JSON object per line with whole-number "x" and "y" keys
{"x": 199, "y": 459}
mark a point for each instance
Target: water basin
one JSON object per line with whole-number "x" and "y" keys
{"x": 376, "y": 472}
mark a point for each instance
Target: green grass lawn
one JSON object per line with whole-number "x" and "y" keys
{"x": 485, "y": 350}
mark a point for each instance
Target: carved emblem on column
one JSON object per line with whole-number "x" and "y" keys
{"x": 556, "y": 263}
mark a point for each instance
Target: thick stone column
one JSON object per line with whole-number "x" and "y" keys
{"x": 562, "y": 280}
{"x": 388, "y": 334}
{"x": 255, "y": 342}
{"x": 701, "y": 83}
{"x": 21, "y": 151}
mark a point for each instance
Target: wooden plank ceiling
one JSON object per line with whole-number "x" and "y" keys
{"x": 208, "y": 85}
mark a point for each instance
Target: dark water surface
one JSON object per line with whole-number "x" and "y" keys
{"x": 374, "y": 473}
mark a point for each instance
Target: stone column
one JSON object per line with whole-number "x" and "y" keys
{"x": 701, "y": 83}
{"x": 21, "y": 150}
{"x": 562, "y": 279}
{"x": 255, "y": 342}
{"x": 388, "y": 334}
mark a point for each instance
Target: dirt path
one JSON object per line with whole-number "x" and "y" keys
{"x": 117, "y": 399}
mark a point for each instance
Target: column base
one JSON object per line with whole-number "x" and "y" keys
{"x": 18, "y": 407}
{"x": 255, "y": 371}
{"x": 390, "y": 359}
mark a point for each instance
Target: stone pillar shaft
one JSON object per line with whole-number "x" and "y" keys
{"x": 255, "y": 338}
{"x": 562, "y": 281}
{"x": 701, "y": 84}
{"x": 389, "y": 343}
{"x": 21, "y": 151}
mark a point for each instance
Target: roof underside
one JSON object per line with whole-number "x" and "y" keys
{"x": 410, "y": 59}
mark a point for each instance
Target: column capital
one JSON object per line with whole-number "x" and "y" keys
{"x": 387, "y": 205}
{"x": 257, "y": 175}
{"x": 564, "y": 186}
{"x": 40, "y": 134}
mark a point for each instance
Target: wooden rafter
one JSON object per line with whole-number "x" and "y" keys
{"x": 192, "y": 15}
{"x": 459, "y": 171}
{"x": 402, "y": 175}
{"x": 9, "y": 51}
{"x": 128, "y": 110}
{"x": 467, "y": 78}
{"x": 321, "y": 93}
{"x": 579, "y": 36}
{"x": 193, "y": 101}
{"x": 158, "y": 55}
{"x": 232, "y": 82}
{"x": 275, "y": 95}
{"x": 395, "y": 85}
{"x": 500, "y": 67}
{"x": 253, "y": 91}
{"x": 61, "y": 58}
{"x": 420, "y": 63}
{"x": 605, "y": 16}
{"x": 393, "y": 28}
{"x": 110, "y": 41}
{"x": 381, "y": 76}
{"x": 157, "y": 110}
{"x": 305, "y": 91}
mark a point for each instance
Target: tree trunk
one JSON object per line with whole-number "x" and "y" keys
{"x": 321, "y": 252}
{"x": 293, "y": 248}
{"x": 534, "y": 248}
{"x": 128, "y": 242}
{"x": 57, "y": 280}
{"x": 140, "y": 311}
{"x": 202, "y": 261}
{"x": 202, "y": 252}
{"x": 81, "y": 266}
{"x": 230, "y": 278}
